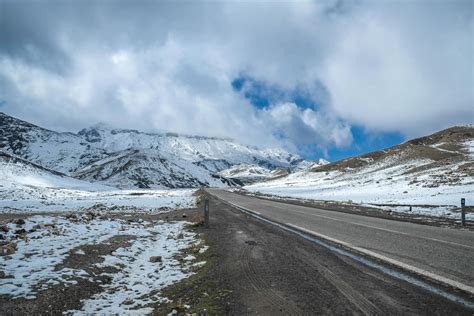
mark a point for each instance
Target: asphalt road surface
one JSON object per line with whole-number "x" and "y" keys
{"x": 446, "y": 255}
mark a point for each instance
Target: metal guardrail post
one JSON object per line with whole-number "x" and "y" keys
{"x": 463, "y": 211}
{"x": 206, "y": 213}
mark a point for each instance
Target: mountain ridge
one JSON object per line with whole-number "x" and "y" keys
{"x": 130, "y": 158}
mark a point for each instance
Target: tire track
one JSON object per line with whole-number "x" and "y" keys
{"x": 262, "y": 287}
{"x": 358, "y": 300}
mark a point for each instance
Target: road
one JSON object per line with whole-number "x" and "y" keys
{"x": 446, "y": 255}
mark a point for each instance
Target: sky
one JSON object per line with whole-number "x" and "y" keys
{"x": 324, "y": 79}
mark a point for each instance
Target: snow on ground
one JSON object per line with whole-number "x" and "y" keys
{"x": 33, "y": 255}
{"x": 379, "y": 184}
{"x": 132, "y": 287}
{"x": 59, "y": 200}
{"x": 26, "y": 188}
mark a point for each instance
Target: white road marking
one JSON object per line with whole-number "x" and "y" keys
{"x": 400, "y": 264}
{"x": 364, "y": 225}
{"x": 386, "y": 229}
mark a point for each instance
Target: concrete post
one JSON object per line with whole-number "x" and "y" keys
{"x": 463, "y": 211}
{"x": 206, "y": 213}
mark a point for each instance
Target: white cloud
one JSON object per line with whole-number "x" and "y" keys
{"x": 395, "y": 66}
{"x": 405, "y": 67}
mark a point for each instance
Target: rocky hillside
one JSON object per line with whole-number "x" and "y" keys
{"x": 436, "y": 169}
{"x": 448, "y": 152}
{"x": 130, "y": 158}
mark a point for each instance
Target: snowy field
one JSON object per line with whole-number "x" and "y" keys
{"x": 35, "y": 250}
{"x": 35, "y": 200}
{"x": 25, "y": 188}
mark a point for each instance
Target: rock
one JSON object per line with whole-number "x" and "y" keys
{"x": 128, "y": 301}
{"x": 20, "y": 232}
{"x": 180, "y": 236}
{"x": 184, "y": 215}
{"x": 4, "y": 228}
{"x": 71, "y": 216}
{"x": 155, "y": 259}
{"x": 90, "y": 216}
{"x": 8, "y": 249}
{"x": 19, "y": 222}
{"x": 3, "y": 275}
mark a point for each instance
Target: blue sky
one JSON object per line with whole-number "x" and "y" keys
{"x": 261, "y": 95}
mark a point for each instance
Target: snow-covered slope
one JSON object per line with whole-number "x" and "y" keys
{"x": 249, "y": 173}
{"x": 129, "y": 158}
{"x": 23, "y": 180}
{"x": 26, "y": 187}
{"x": 145, "y": 169}
{"x": 189, "y": 148}
{"x": 436, "y": 170}
{"x": 18, "y": 174}
{"x": 306, "y": 165}
{"x": 63, "y": 152}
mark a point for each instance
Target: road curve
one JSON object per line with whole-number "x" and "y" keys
{"x": 446, "y": 255}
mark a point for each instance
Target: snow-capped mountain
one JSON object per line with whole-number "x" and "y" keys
{"x": 432, "y": 170}
{"x": 249, "y": 173}
{"x": 128, "y": 158}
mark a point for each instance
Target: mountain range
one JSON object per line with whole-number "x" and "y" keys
{"x": 127, "y": 158}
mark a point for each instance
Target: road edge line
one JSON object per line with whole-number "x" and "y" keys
{"x": 409, "y": 268}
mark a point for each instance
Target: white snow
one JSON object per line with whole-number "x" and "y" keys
{"x": 32, "y": 268}
{"x": 138, "y": 283}
{"x": 26, "y": 188}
